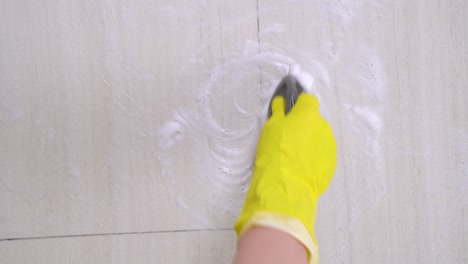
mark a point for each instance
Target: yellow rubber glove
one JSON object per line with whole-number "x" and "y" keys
{"x": 294, "y": 165}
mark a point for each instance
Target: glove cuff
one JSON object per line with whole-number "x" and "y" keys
{"x": 287, "y": 224}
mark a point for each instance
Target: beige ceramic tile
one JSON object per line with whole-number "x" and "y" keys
{"x": 188, "y": 248}
{"x": 85, "y": 87}
{"x": 393, "y": 83}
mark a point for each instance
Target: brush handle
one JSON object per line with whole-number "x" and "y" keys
{"x": 290, "y": 89}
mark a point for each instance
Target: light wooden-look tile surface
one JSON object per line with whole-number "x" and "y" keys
{"x": 183, "y": 247}
{"x": 86, "y": 86}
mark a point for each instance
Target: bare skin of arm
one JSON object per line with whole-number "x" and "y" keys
{"x": 264, "y": 245}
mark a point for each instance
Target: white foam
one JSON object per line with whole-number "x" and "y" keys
{"x": 221, "y": 155}
{"x": 304, "y": 78}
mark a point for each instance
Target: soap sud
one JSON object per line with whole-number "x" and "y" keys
{"x": 220, "y": 158}
{"x": 305, "y": 79}
{"x": 368, "y": 114}
{"x": 367, "y": 185}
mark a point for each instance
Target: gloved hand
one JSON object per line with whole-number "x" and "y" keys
{"x": 294, "y": 165}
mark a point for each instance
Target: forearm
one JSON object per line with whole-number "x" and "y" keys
{"x": 264, "y": 245}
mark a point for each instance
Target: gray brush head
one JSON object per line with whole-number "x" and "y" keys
{"x": 290, "y": 89}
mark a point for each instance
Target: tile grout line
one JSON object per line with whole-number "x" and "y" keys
{"x": 258, "y": 21}
{"x": 258, "y": 42}
{"x": 114, "y": 234}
